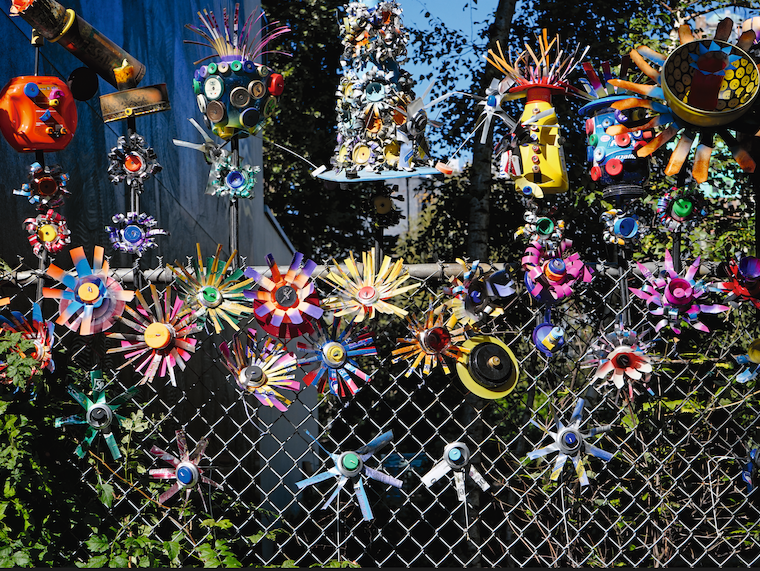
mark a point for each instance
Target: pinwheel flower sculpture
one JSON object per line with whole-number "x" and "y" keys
{"x": 211, "y": 296}
{"x": 677, "y": 302}
{"x": 99, "y": 414}
{"x": 743, "y": 284}
{"x": 228, "y": 179}
{"x": 431, "y": 340}
{"x": 284, "y": 304}
{"x": 184, "y": 469}
{"x": 133, "y": 161}
{"x": 624, "y": 355}
{"x": 621, "y": 228}
{"x": 134, "y": 232}
{"x": 350, "y": 466}
{"x": 569, "y": 442}
{"x": 551, "y": 278}
{"x": 162, "y": 337}
{"x": 92, "y": 299}
{"x": 37, "y": 330}
{"x": 479, "y": 294}
{"x": 261, "y": 368}
{"x": 751, "y": 472}
{"x": 364, "y": 294}
{"x": 706, "y": 86}
{"x": 336, "y": 353}
{"x": 542, "y": 229}
{"x": 456, "y": 458}
{"x": 680, "y": 212}
{"x": 47, "y": 233}
{"x": 46, "y": 187}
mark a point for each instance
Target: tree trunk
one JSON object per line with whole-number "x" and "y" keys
{"x": 477, "y": 249}
{"x": 480, "y": 179}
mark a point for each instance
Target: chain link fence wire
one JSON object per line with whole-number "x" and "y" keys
{"x": 672, "y": 495}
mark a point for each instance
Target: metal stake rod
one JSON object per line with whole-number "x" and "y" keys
{"x": 37, "y": 42}
{"x": 234, "y": 211}
{"x": 134, "y": 206}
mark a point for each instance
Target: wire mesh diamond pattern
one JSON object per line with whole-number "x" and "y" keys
{"x": 671, "y": 495}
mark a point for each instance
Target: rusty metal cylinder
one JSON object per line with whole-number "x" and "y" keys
{"x": 58, "y": 24}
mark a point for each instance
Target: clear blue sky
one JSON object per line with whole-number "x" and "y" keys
{"x": 464, "y": 16}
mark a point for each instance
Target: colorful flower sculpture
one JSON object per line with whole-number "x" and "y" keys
{"x": 336, "y": 353}
{"x": 46, "y": 187}
{"x": 569, "y": 442}
{"x": 676, "y": 303}
{"x": 351, "y": 466}
{"x": 92, "y": 299}
{"x": 431, "y": 340}
{"x": 47, "y": 232}
{"x": 162, "y": 337}
{"x": 228, "y": 179}
{"x": 99, "y": 414}
{"x": 131, "y": 160}
{"x": 184, "y": 470}
{"x": 534, "y": 158}
{"x": 706, "y": 86}
{"x": 211, "y": 296}
{"x": 743, "y": 284}
{"x": 542, "y": 229}
{"x": 680, "y": 212}
{"x": 622, "y": 228}
{"x": 624, "y": 355}
{"x": 37, "y": 330}
{"x": 751, "y": 472}
{"x": 134, "y": 232}
{"x": 550, "y": 278}
{"x": 284, "y": 304}
{"x": 363, "y": 294}
{"x": 456, "y": 458}
{"x": 261, "y": 368}
{"x": 479, "y": 294}
{"x": 491, "y": 370}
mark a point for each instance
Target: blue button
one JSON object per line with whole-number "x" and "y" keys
{"x": 455, "y": 454}
{"x": 31, "y": 90}
{"x": 235, "y": 179}
{"x": 570, "y": 439}
{"x": 185, "y": 475}
{"x": 132, "y": 234}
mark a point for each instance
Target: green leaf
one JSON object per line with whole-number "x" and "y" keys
{"x": 98, "y": 544}
{"x": 221, "y": 524}
{"x": 21, "y": 559}
{"x": 98, "y": 561}
{"x": 107, "y": 494}
{"x": 119, "y": 560}
{"x": 172, "y": 548}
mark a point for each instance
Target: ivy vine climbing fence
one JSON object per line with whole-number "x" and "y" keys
{"x": 672, "y": 495}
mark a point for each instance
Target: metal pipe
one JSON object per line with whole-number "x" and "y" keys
{"x": 58, "y": 24}
{"x": 419, "y": 271}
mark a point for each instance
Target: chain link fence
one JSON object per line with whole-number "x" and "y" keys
{"x": 672, "y": 495}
